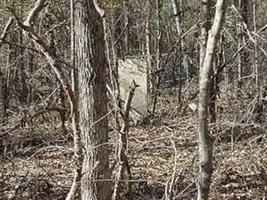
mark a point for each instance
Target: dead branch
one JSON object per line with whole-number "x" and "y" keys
{"x": 55, "y": 63}
{"x": 32, "y": 15}
{"x": 50, "y": 55}
{"x": 5, "y": 31}
{"x": 123, "y": 162}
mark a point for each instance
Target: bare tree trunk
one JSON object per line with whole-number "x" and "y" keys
{"x": 205, "y": 27}
{"x": 30, "y": 68}
{"x": 183, "y": 59}
{"x": 148, "y": 48}
{"x": 23, "y": 87}
{"x": 23, "y": 90}
{"x": 204, "y": 30}
{"x": 212, "y": 95}
{"x": 75, "y": 118}
{"x": 177, "y": 8}
{"x": 115, "y": 52}
{"x": 113, "y": 78}
{"x": 141, "y": 45}
{"x": 239, "y": 45}
{"x": 243, "y": 67}
{"x": 2, "y": 99}
{"x": 13, "y": 60}
{"x": 156, "y": 76}
{"x": 126, "y": 24}
{"x": 114, "y": 69}
{"x": 176, "y": 12}
{"x": 223, "y": 60}
{"x": 220, "y": 61}
{"x": 205, "y": 140}
{"x": 256, "y": 69}
{"x": 91, "y": 59}
{"x": 61, "y": 102}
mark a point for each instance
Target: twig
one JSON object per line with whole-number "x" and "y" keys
{"x": 169, "y": 186}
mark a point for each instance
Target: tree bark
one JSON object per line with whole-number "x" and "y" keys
{"x": 156, "y": 76}
{"x": 204, "y": 30}
{"x": 23, "y": 89}
{"x": 148, "y": 48}
{"x": 2, "y": 99}
{"x": 256, "y": 69}
{"x": 177, "y": 8}
{"x": 205, "y": 140}
{"x": 126, "y": 25}
{"x": 242, "y": 18}
{"x": 92, "y": 64}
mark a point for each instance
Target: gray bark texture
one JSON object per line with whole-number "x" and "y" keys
{"x": 205, "y": 141}
{"x": 205, "y": 27}
{"x": 2, "y": 107}
{"x": 204, "y": 31}
{"x": 92, "y": 64}
{"x": 148, "y": 48}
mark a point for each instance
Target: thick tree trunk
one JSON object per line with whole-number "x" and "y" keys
{"x": 205, "y": 141}
{"x": 91, "y": 60}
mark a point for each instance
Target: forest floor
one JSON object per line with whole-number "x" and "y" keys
{"x": 163, "y": 156}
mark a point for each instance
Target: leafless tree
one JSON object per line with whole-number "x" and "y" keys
{"x": 205, "y": 140}
{"x": 91, "y": 63}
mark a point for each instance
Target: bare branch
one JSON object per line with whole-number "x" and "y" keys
{"x": 5, "y": 31}
{"x": 33, "y": 13}
{"x": 51, "y": 57}
{"x": 122, "y": 146}
{"x": 99, "y": 10}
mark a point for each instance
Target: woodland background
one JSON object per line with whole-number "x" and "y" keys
{"x": 36, "y": 140}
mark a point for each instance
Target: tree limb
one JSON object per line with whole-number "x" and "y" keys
{"x": 5, "y": 31}
{"x": 33, "y": 13}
